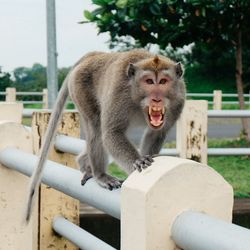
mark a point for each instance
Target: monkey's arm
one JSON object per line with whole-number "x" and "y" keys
{"x": 152, "y": 141}
{"x": 114, "y": 126}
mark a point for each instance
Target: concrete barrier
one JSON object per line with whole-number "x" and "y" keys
{"x": 152, "y": 200}
{"x": 13, "y": 191}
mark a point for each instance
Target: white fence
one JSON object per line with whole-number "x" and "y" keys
{"x": 148, "y": 219}
{"x": 171, "y": 205}
{"x": 217, "y": 98}
{"x": 72, "y": 145}
{"x": 11, "y": 94}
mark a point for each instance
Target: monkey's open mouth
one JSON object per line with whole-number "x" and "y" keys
{"x": 156, "y": 115}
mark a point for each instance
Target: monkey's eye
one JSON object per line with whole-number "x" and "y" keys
{"x": 163, "y": 81}
{"x": 149, "y": 81}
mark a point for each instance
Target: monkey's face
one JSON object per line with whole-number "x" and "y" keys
{"x": 153, "y": 87}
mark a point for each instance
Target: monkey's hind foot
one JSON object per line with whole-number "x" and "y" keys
{"x": 85, "y": 178}
{"x": 108, "y": 182}
{"x": 143, "y": 162}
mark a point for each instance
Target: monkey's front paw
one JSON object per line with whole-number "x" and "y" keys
{"x": 86, "y": 176}
{"x": 109, "y": 182}
{"x": 143, "y": 163}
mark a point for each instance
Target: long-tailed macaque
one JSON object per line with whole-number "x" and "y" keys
{"x": 113, "y": 91}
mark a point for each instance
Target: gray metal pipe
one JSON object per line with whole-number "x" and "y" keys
{"x": 29, "y": 93}
{"x": 197, "y": 231}
{"x": 64, "y": 179}
{"x": 28, "y": 112}
{"x": 200, "y": 94}
{"x": 228, "y": 151}
{"x": 68, "y": 144}
{"x": 78, "y": 236}
{"x": 212, "y": 151}
{"x": 228, "y": 113}
{"x": 31, "y": 102}
{"x": 75, "y": 146}
{"x": 72, "y": 145}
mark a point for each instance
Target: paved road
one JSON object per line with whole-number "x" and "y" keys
{"x": 215, "y": 130}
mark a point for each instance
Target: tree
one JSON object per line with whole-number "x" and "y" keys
{"x": 5, "y": 82}
{"x": 221, "y": 25}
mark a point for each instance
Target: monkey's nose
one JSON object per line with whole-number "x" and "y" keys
{"x": 156, "y": 100}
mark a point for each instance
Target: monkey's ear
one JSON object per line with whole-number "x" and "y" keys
{"x": 179, "y": 70}
{"x": 131, "y": 70}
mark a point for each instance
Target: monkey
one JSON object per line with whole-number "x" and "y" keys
{"x": 112, "y": 92}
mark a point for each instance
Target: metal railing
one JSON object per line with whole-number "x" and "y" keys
{"x": 199, "y": 231}
{"x": 68, "y": 183}
{"x": 78, "y": 236}
{"x": 190, "y": 95}
{"x": 190, "y": 230}
{"x": 75, "y": 146}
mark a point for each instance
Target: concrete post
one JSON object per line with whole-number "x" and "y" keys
{"x": 10, "y": 95}
{"x": 152, "y": 200}
{"x": 11, "y": 112}
{"x": 45, "y": 99}
{"x": 192, "y": 131}
{"x": 52, "y": 202}
{"x": 14, "y": 234}
{"x": 217, "y": 100}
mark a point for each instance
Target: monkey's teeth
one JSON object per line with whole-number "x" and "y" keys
{"x": 156, "y": 109}
{"x": 150, "y": 110}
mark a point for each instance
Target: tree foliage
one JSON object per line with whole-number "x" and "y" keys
{"x": 5, "y": 82}
{"x": 177, "y": 22}
{"x": 32, "y": 79}
{"x": 211, "y": 24}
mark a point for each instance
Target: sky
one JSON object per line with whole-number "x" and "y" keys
{"x": 23, "y": 33}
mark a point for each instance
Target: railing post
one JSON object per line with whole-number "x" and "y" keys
{"x": 217, "y": 102}
{"x": 14, "y": 234}
{"x": 45, "y": 99}
{"x": 192, "y": 131}
{"x": 11, "y": 112}
{"x": 10, "y": 95}
{"x": 152, "y": 200}
{"x": 52, "y": 202}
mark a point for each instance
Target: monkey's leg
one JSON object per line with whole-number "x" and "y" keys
{"x": 85, "y": 167}
{"x": 99, "y": 159}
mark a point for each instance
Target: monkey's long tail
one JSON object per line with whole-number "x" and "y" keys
{"x": 50, "y": 134}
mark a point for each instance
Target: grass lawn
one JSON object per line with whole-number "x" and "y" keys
{"x": 235, "y": 169}
{"x": 26, "y": 121}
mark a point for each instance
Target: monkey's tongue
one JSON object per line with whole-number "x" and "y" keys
{"x": 156, "y": 120}
{"x": 156, "y": 117}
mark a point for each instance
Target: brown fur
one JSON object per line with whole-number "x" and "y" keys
{"x": 112, "y": 91}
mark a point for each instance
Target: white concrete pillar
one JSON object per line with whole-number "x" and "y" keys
{"x": 14, "y": 234}
{"x": 10, "y": 95}
{"x": 11, "y": 111}
{"x": 192, "y": 131}
{"x": 152, "y": 200}
{"x": 53, "y": 202}
{"x": 217, "y": 100}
